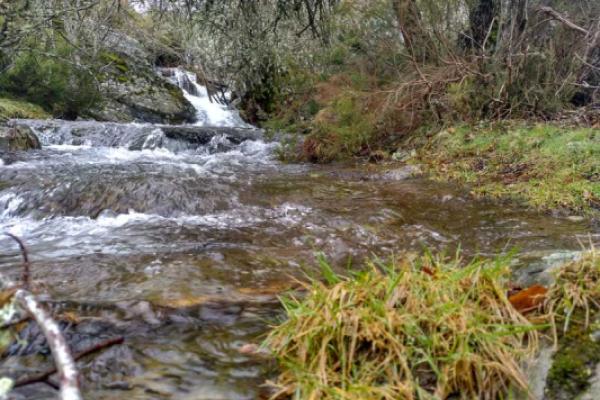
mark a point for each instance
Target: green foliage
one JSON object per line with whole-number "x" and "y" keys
{"x": 345, "y": 128}
{"x": 115, "y": 60}
{"x": 54, "y": 83}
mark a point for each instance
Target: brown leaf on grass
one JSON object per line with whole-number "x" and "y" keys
{"x": 528, "y": 299}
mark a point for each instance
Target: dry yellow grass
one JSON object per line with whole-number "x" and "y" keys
{"x": 416, "y": 328}
{"x": 577, "y": 287}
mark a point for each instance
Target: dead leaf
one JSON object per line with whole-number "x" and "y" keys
{"x": 6, "y": 296}
{"x": 528, "y": 299}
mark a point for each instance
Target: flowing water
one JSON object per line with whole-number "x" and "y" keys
{"x": 180, "y": 238}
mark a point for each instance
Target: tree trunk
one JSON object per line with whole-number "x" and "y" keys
{"x": 482, "y": 19}
{"x": 416, "y": 39}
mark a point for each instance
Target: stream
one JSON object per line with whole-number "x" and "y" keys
{"x": 181, "y": 238}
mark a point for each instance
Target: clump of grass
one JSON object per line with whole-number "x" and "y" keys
{"x": 10, "y": 108}
{"x": 414, "y": 328}
{"x": 577, "y": 288}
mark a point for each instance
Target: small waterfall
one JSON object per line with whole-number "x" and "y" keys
{"x": 208, "y": 113}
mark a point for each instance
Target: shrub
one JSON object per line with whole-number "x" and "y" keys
{"x": 58, "y": 86}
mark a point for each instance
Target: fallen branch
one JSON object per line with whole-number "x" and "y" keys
{"x": 65, "y": 366}
{"x": 69, "y": 378}
{"x": 44, "y": 375}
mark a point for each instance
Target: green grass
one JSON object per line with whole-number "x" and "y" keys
{"x": 10, "y": 108}
{"x": 548, "y": 166}
{"x": 415, "y": 328}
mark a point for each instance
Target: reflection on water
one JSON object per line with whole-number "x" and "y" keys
{"x": 182, "y": 248}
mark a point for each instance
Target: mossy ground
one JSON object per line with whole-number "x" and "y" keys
{"x": 574, "y": 363}
{"x": 11, "y": 108}
{"x": 546, "y": 165}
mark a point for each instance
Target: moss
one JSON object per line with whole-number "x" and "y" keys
{"x": 547, "y": 166}
{"x": 573, "y": 364}
{"x": 11, "y": 108}
{"x": 176, "y": 93}
{"x": 116, "y": 60}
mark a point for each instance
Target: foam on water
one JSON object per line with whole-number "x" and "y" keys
{"x": 9, "y": 203}
{"x": 111, "y": 233}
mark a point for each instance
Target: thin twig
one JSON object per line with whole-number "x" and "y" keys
{"x": 25, "y": 276}
{"x": 556, "y": 15}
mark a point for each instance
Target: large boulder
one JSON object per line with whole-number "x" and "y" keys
{"x": 133, "y": 91}
{"x": 17, "y": 138}
{"x": 146, "y": 98}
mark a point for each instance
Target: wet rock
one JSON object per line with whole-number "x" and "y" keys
{"x": 134, "y": 137}
{"x": 403, "y": 173}
{"x": 186, "y": 84}
{"x": 537, "y": 372}
{"x": 541, "y": 271}
{"x": 203, "y": 135}
{"x": 18, "y": 138}
{"x": 133, "y": 91}
{"x": 593, "y": 392}
{"x": 146, "y": 98}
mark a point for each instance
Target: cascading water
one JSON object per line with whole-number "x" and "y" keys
{"x": 208, "y": 112}
{"x": 180, "y": 238}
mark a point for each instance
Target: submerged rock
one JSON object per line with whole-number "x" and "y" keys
{"x": 403, "y": 173}
{"x": 17, "y": 138}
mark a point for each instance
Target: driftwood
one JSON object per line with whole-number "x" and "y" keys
{"x": 69, "y": 378}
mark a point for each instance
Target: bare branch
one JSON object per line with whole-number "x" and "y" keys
{"x": 26, "y": 276}
{"x": 69, "y": 378}
{"x": 557, "y": 16}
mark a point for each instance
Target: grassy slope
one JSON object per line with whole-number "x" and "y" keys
{"x": 10, "y": 108}
{"x": 546, "y": 165}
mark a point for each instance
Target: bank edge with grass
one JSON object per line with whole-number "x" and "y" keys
{"x": 429, "y": 327}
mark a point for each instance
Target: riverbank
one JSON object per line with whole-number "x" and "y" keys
{"x": 544, "y": 165}
{"x": 547, "y": 166}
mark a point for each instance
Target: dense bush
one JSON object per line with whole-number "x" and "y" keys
{"x": 64, "y": 89}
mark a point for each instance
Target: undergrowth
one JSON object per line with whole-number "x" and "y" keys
{"x": 10, "y": 108}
